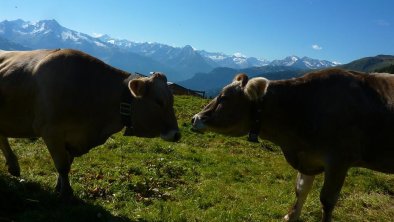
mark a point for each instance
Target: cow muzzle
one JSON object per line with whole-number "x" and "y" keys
{"x": 198, "y": 123}
{"x": 171, "y": 136}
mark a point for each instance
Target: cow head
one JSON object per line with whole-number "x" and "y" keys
{"x": 230, "y": 112}
{"x": 152, "y": 108}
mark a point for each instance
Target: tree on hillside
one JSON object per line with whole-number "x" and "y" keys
{"x": 388, "y": 69}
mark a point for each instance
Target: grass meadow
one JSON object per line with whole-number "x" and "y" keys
{"x": 203, "y": 177}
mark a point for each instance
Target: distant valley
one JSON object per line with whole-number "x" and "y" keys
{"x": 213, "y": 81}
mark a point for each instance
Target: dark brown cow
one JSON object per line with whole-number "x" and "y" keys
{"x": 75, "y": 102}
{"x": 325, "y": 122}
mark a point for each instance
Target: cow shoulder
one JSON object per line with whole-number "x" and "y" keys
{"x": 383, "y": 84}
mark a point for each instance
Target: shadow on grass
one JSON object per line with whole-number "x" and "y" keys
{"x": 28, "y": 201}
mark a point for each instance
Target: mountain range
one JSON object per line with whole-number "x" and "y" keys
{"x": 179, "y": 63}
{"x": 204, "y": 61}
{"x": 6, "y": 44}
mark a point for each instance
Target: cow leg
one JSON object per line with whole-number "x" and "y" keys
{"x": 333, "y": 182}
{"x": 63, "y": 161}
{"x": 11, "y": 159}
{"x": 303, "y": 186}
{"x": 59, "y": 180}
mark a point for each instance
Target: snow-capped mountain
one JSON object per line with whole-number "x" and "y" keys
{"x": 184, "y": 59}
{"x": 202, "y": 61}
{"x": 288, "y": 61}
{"x": 303, "y": 63}
{"x": 179, "y": 63}
{"x": 235, "y": 61}
{"x": 48, "y": 34}
{"x": 165, "y": 53}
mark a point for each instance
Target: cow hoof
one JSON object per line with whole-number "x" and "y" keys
{"x": 65, "y": 193}
{"x": 67, "y": 197}
{"x": 290, "y": 217}
{"x": 14, "y": 169}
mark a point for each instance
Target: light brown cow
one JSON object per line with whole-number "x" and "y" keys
{"x": 75, "y": 102}
{"x": 325, "y": 122}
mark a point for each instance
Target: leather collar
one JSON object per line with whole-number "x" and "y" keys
{"x": 125, "y": 111}
{"x": 256, "y": 115}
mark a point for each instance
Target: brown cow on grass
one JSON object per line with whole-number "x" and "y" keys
{"x": 75, "y": 102}
{"x": 325, "y": 122}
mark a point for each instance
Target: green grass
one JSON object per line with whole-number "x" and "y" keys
{"x": 204, "y": 177}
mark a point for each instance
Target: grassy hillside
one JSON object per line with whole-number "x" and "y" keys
{"x": 370, "y": 64}
{"x": 204, "y": 177}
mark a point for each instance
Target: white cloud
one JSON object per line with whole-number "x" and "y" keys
{"x": 316, "y": 47}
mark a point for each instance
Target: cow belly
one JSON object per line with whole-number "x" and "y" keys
{"x": 16, "y": 126}
{"x": 306, "y": 162}
{"x": 17, "y": 111}
{"x": 17, "y": 132}
{"x": 78, "y": 148}
{"x": 379, "y": 160}
{"x": 80, "y": 140}
{"x": 379, "y": 154}
{"x": 310, "y": 166}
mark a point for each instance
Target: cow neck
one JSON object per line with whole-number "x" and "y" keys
{"x": 256, "y": 116}
{"x": 125, "y": 109}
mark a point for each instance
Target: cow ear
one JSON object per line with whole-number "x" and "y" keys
{"x": 256, "y": 88}
{"x": 137, "y": 87}
{"x": 242, "y": 77}
{"x": 160, "y": 76}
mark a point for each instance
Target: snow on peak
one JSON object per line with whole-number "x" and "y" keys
{"x": 292, "y": 58}
{"x": 99, "y": 35}
{"x": 239, "y": 55}
{"x": 66, "y": 35}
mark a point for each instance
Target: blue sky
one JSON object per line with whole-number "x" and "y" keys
{"x": 336, "y": 30}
